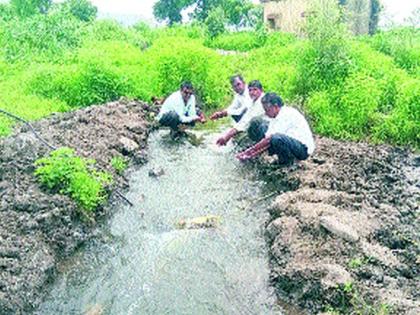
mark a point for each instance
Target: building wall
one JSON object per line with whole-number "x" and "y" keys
{"x": 289, "y": 15}
{"x": 286, "y": 15}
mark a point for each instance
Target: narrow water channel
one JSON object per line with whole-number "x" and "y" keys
{"x": 147, "y": 266}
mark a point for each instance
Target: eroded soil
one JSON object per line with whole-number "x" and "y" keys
{"x": 346, "y": 238}
{"x": 39, "y": 229}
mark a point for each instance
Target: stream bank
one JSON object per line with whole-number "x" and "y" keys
{"x": 38, "y": 229}
{"x": 346, "y": 238}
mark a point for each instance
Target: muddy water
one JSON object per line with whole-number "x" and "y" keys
{"x": 145, "y": 265}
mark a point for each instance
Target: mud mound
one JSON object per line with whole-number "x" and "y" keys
{"x": 38, "y": 229}
{"x": 347, "y": 237}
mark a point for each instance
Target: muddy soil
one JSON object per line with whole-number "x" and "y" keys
{"x": 346, "y": 237}
{"x": 39, "y": 229}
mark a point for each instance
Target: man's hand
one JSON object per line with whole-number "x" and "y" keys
{"x": 245, "y": 155}
{"x": 225, "y": 139}
{"x": 218, "y": 115}
{"x": 222, "y": 141}
{"x": 202, "y": 118}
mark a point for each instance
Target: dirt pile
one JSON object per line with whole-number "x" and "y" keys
{"x": 38, "y": 229}
{"x": 347, "y": 238}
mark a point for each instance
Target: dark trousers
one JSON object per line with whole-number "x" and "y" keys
{"x": 171, "y": 119}
{"x": 286, "y": 148}
{"x": 237, "y": 118}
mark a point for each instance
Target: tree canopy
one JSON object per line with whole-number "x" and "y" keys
{"x": 25, "y": 8}
{"x": 235, "y": 11}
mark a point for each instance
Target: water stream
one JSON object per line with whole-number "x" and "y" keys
{"x": 147, "y": 266}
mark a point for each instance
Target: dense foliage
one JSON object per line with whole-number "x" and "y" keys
{"x": 351, "y": 88}
{"x": 66, "y": 173}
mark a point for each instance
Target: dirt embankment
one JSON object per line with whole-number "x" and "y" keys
{"x": 347, "y": 238}
{"x": 38, "y": 229}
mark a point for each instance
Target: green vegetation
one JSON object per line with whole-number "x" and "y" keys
{"x": 348, "y": 300}
{"x": 57, "y": 58}
{"x": 119, "y": 164}
{"x": 66, "y": 173}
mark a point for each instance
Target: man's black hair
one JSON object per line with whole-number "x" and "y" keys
{"x": 187, "y": 85}
{"x": 272, "y": 99}
{"x": 236, "y": 76}
{"x": 255, "y": 83}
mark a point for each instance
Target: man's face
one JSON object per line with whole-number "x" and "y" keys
{"x": 270, "y": 110}
{"x": 186, "y": 94}
{"x": 254, "y": 93}
{"x": 238, "y": 86}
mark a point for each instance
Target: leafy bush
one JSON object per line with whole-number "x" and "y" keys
{"x": 25, "y": 8}
{"x": 215, "y": 22}
{"x": 6, "y": 12}
{"x": 66, "y": 173}
{"x": 403, "y": 44}
{"x": 189, "y": 60}
{"x": 325, "y": 61}
{"x": 40, "y": 37}
{"x": 82, "y": 84}
{"x": 383, "y": 69}
{"x": 81, "y": 9}
{"x": 30, "y": 107}
{"x": 237, "y": 41}
{"x": 275, "y": 67}
{"x": 348, "y": 113}
{"x": 109, "y": 30}
{"x": 402, "y": 125}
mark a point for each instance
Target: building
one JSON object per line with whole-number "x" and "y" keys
{"x": 289, "y": 15}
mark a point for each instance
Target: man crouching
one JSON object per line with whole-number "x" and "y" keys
{"x": 287, "y": 133}
{"x": 179, "y": 110}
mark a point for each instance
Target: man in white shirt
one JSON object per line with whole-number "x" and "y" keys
{"x": 255, "y": 110}
{"x": 287, "y": 135}
{"x": 240, "y": 102}
{"x": 180, "y": 109}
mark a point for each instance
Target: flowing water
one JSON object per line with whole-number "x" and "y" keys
{"x": 147, "y": 266}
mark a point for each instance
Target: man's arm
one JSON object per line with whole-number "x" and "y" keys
{"x": 219, "y": 114}
{"x": 255, "y": 150}
{"x": 225, "y": 139}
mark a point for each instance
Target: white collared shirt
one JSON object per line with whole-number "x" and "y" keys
{"x": 255, "y": 110}
{"x": 290, "y": 122}
{"x": 175, "y": 102}
{"x": 240, "y": 103}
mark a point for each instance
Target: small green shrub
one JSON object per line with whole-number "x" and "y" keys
{"x": 66, "y": 173}
{"x": 325, "y": 61}
{"x": 174, "y": 62}
{"x": 237, "y": 41}
{"x": 83, "y": 84}
{"x": 40, "y": 37}
{"x": 402, "y": 125}
{"x": 347, "y": 112}
{"x": 119, "y": 164}
{"x": 403, "y": 44}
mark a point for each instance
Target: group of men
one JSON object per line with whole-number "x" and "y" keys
{"x": 274, "y": 127}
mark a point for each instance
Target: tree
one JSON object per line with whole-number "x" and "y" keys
{"x": 215, "y": 22}
{"x": 170, "y": 10}
{"x": 84, "y": 10}
{"x": 375, "y": 9}
{"x": 235, "y": 11}
{"x": 25, "y": 8}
